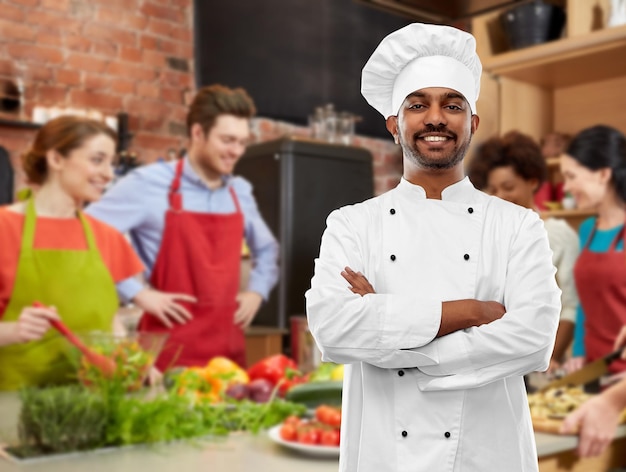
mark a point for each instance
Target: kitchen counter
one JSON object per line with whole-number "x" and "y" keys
{"x": 240, "y": 452}
{"x": 245, "y": 452}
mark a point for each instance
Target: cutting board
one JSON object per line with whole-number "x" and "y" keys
{"x": 548, "y": 425}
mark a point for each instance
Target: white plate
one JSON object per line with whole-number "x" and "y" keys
{"x": 308, "y": 449}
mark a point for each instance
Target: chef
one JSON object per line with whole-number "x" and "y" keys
{"x": 187, "y": 219}
{"x": 436, "y": 296}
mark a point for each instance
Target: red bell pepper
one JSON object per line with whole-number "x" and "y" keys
{"x": 278, "y": 370}
{"x": 288, "y": 382}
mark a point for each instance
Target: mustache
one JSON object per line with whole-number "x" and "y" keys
{"x": 443, "y": 129}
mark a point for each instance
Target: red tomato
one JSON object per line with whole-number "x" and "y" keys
{"x": 292, "y": 420}
{"x": 328, "y": 415}
{"x": 334, "y": 418}
{"x": 330, "y": 437}
{"x": 309, "y": 435}
{"x": 288, "y": 432}
{"x": 322, "y": 412}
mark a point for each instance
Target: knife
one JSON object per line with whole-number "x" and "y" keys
{"x": 592, "y": 371}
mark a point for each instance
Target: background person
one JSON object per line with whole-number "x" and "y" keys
{"x": 187, "y": 219}
{"x": 52, "y": 253}
{"x": 434, "y": 360}
{"x": 512, "y": 167}
{"x": 594, "y": 172}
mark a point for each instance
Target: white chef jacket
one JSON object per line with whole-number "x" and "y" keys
{"x": 413, "y": 402}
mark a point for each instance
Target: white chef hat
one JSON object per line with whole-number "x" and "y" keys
{"x": 419, "y": 56}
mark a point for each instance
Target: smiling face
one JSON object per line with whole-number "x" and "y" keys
{"x": 434, "y": 127}
{"x": 85, "y": 172}
{"x": 505, "y": 183}
{"x": 588, "y": 187}
{"x": 217, "y": 151}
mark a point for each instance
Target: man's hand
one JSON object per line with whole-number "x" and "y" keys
{"x": 488, "y": 311}
{"x": 249, "y": 304}
{"x": 165, "y": 306}
{"x": 358, "y": 283}
{"x": 463, "y": 314}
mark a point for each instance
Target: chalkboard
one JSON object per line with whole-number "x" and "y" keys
{"x": 292, "y": 55}
{"x": 6, "y": 178}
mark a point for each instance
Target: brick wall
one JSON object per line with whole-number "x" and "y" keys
{"x": 134, "y": 56}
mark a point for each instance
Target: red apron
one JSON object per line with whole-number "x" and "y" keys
{"x": 601, "y": 284}
{"x": 200, "y": 255}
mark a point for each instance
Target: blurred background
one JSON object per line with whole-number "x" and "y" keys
{"x": 551, "y": 68}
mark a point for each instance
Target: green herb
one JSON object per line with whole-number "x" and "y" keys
{"x": 61, "y": 419}
{"x": 69, "y": 418}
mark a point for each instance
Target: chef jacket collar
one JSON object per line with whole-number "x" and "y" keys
{"x": 458, "y": 192}
{"x": 190, "y": 174}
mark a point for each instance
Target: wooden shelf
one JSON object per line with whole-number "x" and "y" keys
{"x": 597, "y": 56}
{"x": 19, "y": 124}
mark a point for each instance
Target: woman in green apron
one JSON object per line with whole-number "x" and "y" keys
{"x": 52, "y": 253}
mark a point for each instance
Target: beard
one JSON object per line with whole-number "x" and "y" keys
{"x": 441, "y": 160}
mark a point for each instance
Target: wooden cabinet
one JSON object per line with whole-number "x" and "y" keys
{"x": 262, "y": 342}
{"x": 563, "y": 85}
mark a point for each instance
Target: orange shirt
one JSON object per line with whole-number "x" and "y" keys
{"x": 59, "y": 233}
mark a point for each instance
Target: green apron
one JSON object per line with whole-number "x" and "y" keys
{"x": 77, "y": 283}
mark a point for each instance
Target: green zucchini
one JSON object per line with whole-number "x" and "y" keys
{"x": 313, "y": 394}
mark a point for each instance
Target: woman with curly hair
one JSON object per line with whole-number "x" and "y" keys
{"x": 512, "y": 167}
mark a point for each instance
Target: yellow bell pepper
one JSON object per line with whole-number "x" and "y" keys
{"x": 226, "y": 371}
{"x": 193, "y": 382}
{"x": 337, "y": 373}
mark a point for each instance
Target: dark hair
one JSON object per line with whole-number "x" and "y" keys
{"x": 515, "y": 150}
{"x": 62, "y": 134}
{"x": 601, "y": 147}
{"x": 214, "y": 100}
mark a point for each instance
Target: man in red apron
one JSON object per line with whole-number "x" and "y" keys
{"x": 200, "y": 254}
{"x": 187, "y": 219}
